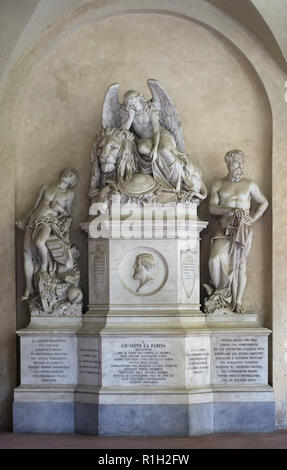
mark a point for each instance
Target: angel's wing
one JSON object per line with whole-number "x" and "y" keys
{"x": 168, "y": 115}
{"x": 111, "y": 107}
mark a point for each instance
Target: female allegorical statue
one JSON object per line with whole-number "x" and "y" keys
{"x": 46, "y": 228}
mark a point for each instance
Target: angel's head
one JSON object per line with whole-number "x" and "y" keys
{"x": 134, "y": 100}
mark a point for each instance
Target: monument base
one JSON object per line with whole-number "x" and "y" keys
{"x": 44, "y": 402}
{"x": 179, "y": 420}
{"x": 177, "y": 375}
{"x": 44, "y": 417}
{"x": 172, "y": 376}
{"x": 206, "y": 411}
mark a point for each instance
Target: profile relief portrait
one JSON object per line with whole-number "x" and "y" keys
{"x": 143, "y": 270}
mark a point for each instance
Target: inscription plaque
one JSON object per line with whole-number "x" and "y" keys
{"x": 48, "y": 360}
{"x": 142, "y": 363}
{"x": 98, "y": 269}
{"x": 188, "y": 270}
{"x": 89, "y": 361}
{"x": 240, "y": 360}
{"x": 197, "y": 360}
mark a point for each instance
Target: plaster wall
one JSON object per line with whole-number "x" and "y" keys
{"x": 13, "y": 18}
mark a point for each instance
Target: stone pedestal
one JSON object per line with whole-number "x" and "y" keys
{"x": 44, "y": 402}
{"x": 164, "y": 242}
{"x": 176, "y": 376}
{"x": 150, "y": 362}
{"x": 144, "y": 360}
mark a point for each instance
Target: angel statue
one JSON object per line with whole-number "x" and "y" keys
{"x": 159, "y": 139}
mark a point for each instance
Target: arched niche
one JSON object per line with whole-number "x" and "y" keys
{"x": 37, "y": 83}
{"x": 221, "y": 102}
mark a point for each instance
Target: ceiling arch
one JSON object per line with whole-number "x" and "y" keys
{"x": 266, "y": 20}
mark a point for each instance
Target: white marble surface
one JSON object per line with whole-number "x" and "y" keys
{"x": 89, "y": 360}
{"x": 189, "y": 360}
{"x": 197, "y": 360}
{"x": 175, "y": 276}
{"x": 49, "y": 359}
{"x": 174, "y": 395}
{"x": 142, "y": 361}
{"x": 44, "y": 393}
{"x": 240, "y": 359}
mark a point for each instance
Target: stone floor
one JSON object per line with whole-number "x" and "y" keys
{"x": 278, "y": 440}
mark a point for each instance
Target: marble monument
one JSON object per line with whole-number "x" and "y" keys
{"x": 151, "y": 362}
{"x": 145, "y": 360}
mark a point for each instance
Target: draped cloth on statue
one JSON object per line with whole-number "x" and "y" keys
{"x": 59, "y": 227}
{"x": 168, "y": 168}
{"x": 225, "y": 264}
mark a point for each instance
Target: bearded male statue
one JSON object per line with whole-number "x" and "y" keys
{"x": 231, "y": 199}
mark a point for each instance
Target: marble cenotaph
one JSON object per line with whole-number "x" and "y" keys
{"x": 150, "y": 361}
{"x": 145, "y": 360}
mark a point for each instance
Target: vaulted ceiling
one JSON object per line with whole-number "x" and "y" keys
{"x": 21, "y": 21}
{"x": 266, "y": 19}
